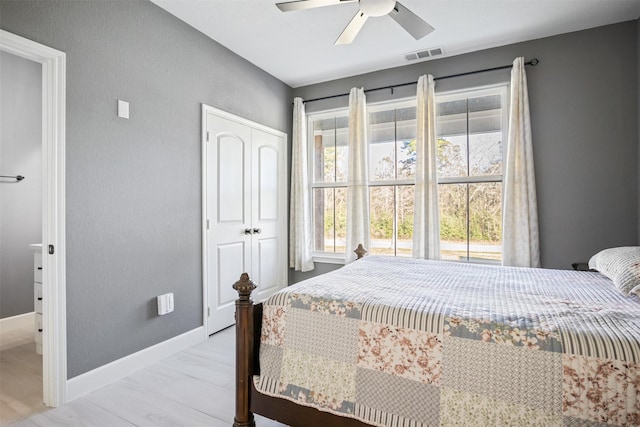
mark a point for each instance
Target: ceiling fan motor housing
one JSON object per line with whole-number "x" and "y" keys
{"x": 412, "y": 23}
{"x": 377, "y": 7}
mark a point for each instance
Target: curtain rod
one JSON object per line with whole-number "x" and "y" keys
{"x": 533, "y": 63}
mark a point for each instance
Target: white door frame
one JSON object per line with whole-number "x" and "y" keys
{"x": 54, "y": 320}
{"x": 206, "y": 109}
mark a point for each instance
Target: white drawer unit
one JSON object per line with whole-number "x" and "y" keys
{"x": 37, "y": 297}
{"x": 38, "y": 333}
{"x": 37, "y": 267}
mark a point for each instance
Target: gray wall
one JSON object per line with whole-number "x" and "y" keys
{"x": 134, "y": 186}
{"x": 584, "y": 113}
{"x": 320, "y": 268}
{"x": 20, "y": 202}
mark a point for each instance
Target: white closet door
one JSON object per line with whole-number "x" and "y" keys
{"x": 228, "y": 183}
{"x": 267, "y": 193}
{"x": 245, "y": 211}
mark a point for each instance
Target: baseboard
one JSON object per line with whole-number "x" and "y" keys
{"x": 118, "y": 369}
{"x": 15, "y": 322}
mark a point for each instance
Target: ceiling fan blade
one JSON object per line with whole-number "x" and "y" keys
{"x": 292, "y": 6}
{"x": 352, "y": 29}
{"x": 411, "y": 22}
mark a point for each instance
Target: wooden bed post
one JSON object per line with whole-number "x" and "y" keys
{"x": 244, "y": 347}
{"x": 248, "y": 328}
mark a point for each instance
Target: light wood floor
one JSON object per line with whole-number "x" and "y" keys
{"x": 20, "y": 372}
{"x": 192, "y": 388}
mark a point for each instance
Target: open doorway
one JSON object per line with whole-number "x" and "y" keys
{"x": 52, "y": 196}
{"x": 20, "y": 233}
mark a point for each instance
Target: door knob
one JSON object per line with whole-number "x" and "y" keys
{"x": 257, "y": 230}
{"x": 248, "y": 231}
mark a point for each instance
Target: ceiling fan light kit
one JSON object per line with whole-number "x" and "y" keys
{"x": 408, "y": 20}
{"x": 377, "y": 8}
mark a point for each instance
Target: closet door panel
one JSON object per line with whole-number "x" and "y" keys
{"x": 267, "y": 183}
{"x": 269, "y": 192}
{"x": 266, "y": 266}
{"x": 231, "y": 266}
{"x": 230, "y": 179}
{"x": 228, "y": 207}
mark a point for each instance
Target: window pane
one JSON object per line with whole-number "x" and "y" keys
{"x": 451, "y": 117}
{"x": 342, "y": 148}
{"x": 406, "y": 142}
{"x": 382, "y": 208}
{"x": 452, "y": 156}
{"x": 330, "y": 219}
{"x": 384, "y": 117}
{"x": 453, "y": 221}
{"x": 404, "y": 202}
{"x": 485, "y": 221}
{"x": 382, "y": 161}
{"x": 485, "y": 103}
{"x": 451, "y": 127}
{"x": 342, "y": 165}
{"x": 382, "y": 138}
{"x": 324, "y": 149}
{"x": 485, "y": 154}
{"x": 341, "y": 219}
{"x": 485, "y": 135}
{"x": 330, "y": 138}
{"x": 323, "y": 219}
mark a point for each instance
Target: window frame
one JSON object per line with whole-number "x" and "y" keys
{"x": 392, "y": 183}
{"x": 502, "y": 88}
{"x": 322, "y": 256}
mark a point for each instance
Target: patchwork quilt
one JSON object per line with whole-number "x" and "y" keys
{"x": 412, "y": 343}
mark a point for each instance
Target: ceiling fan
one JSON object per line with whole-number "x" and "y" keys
{"x": 408, "y": 20}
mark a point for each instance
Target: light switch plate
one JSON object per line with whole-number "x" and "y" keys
{"x": 165, "y": 303}
{"x": 123, "y": 109}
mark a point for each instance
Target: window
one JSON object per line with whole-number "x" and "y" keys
{"x": 328, "y": 151}
{"x": 471, "y": 128}
{"x": 392, "y": 137}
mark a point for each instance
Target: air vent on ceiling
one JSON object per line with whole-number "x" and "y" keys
{"x": 428, "y": 53}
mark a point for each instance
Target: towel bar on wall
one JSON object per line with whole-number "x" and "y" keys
{"x": 17, "y": 177}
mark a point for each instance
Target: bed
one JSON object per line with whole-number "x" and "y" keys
{"x": 403, "y": 342}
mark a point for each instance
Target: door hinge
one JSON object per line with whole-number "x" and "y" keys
{"x": 207, "y": 136}
{"x": 51, "y": 250}
{"x": 207, "y": 224}
{"x": 208, "y": 311}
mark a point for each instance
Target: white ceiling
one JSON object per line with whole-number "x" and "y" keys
{"x": 297, "y": 47}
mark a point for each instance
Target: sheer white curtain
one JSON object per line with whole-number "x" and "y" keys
{"x": 426, "y": 219}
{"x": 358, "y": 176}
{"x": 521, "y": 245}
{"x": 300, "y": 238}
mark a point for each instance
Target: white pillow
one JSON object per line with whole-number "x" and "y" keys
{"x": 621, "y": 265}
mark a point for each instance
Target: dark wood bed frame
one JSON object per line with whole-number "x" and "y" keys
{"x": 248, "y": 400}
